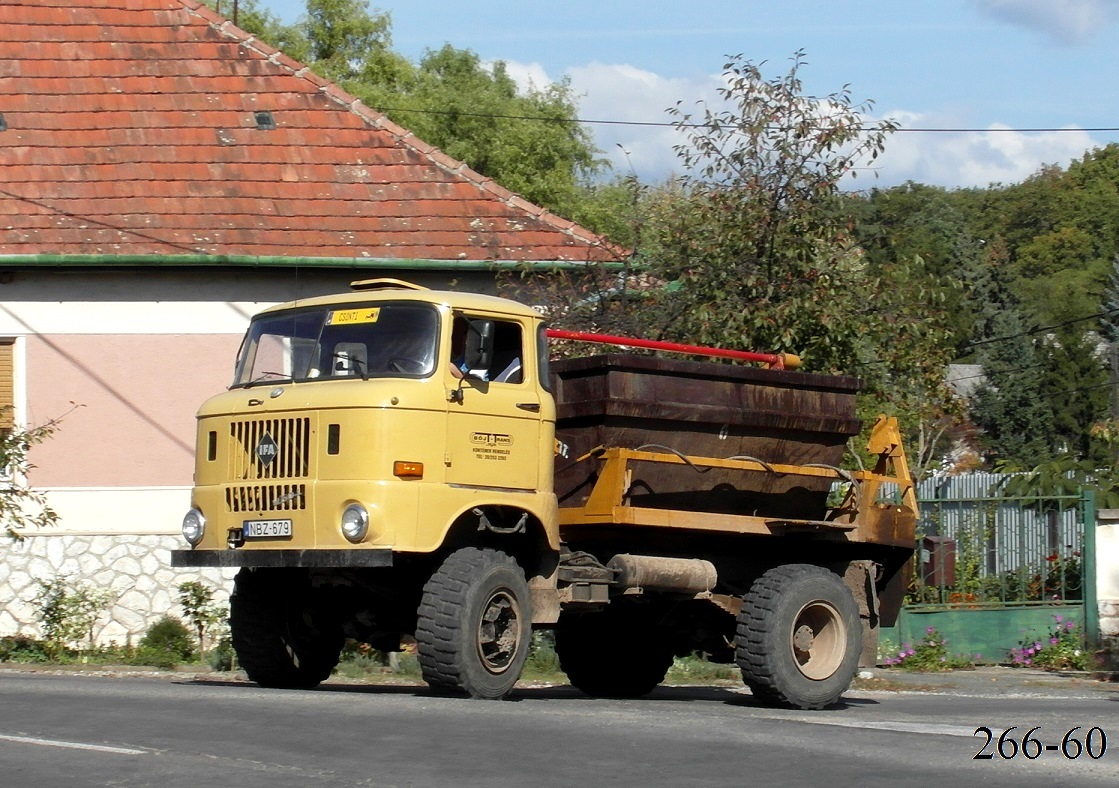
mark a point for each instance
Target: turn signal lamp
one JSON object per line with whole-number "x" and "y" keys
{"x": 408, "y": 470}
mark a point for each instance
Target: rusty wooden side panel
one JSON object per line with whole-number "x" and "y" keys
{"x": 702, "y": 409}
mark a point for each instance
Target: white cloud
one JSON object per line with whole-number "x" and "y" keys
{"x": 618, "y": 92}
{"x": 526, "y": 75}
{"x": 626, "y": 93}
{"x": 1066, "y": 21}
{"x": 963, "y": 159}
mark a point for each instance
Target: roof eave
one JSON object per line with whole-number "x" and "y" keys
{"x": 47, "y": 261}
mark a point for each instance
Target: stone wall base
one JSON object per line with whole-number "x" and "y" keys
{"x": 136, "y": 569}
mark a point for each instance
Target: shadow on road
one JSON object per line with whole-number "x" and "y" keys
{"x": 733, "y": 696}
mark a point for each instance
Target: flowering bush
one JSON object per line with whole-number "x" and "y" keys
{"x": 1062, "y": 649}
{"x": 930, "y": 653}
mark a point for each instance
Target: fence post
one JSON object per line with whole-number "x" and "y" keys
{"x": 1088, "y": 569}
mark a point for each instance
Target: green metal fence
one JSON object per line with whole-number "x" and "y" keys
{"x": 995, "y": 569}
{"x": 980, "y": 546}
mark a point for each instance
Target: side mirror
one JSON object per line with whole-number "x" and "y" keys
{"x": 479, "y": 347}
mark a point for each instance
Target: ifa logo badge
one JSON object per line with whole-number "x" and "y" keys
{"x": 266, "y": 450}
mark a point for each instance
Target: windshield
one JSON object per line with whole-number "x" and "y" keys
{"x": 350, "y": 341}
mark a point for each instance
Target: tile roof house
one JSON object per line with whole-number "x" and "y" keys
{"x": 163, "y": 175}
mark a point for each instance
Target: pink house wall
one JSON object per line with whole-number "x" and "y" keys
{"x": 136, "y": 395}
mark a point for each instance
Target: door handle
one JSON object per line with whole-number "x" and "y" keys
{"x": 532, "y": 407}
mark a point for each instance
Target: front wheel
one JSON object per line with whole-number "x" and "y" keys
{"x": 280, "y": 637}
{"x": 474, "y": 624}
{"x": 799, "y": 637}
{"x": 615, "y": 653}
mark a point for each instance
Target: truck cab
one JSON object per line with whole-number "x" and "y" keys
{"x": 373, "y": 423}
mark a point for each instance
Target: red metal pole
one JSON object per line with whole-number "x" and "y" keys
{"x": 776, "y": 360}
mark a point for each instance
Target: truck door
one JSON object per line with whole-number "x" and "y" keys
{"x": 493, "y": 423}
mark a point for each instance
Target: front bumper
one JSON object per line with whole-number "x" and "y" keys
{"x": 335, "y": 559}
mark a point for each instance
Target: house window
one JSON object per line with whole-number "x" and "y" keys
{"x": 7, "y": 393}
{"x": 7, "y": 383}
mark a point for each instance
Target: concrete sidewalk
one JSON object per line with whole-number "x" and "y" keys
{"x": 991, "y": 681}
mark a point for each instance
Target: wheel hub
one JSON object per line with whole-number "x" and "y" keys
{"x": 819, "y": 640}
{"x": 499, "y": 632}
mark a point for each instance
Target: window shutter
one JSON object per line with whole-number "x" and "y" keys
{"x": 7, "y": 384}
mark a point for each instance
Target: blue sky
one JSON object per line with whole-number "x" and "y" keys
{"x": 958, "y": 64}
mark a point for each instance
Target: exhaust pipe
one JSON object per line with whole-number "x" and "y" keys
{"x": 653, "y": 573}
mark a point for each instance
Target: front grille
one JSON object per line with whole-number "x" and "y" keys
{"x": 266, "y": 497}
{"x": 264, "y": 449}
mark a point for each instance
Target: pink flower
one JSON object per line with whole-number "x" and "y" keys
{"x": 1059, "y": 619}
{"x": 1052, "y": 641}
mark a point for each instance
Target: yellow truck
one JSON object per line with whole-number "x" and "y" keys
{"x": 396, "y": 461}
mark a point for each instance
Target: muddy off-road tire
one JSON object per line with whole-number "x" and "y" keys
{"x": 615, "y": 653}
{"x": 799, "y": 637}
{"x": 279, "y": 642}
{"x": 474, "y": 624}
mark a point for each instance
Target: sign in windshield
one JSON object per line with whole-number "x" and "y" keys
{"x": 386, "y": 340}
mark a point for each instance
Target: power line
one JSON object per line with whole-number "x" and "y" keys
{"x": 1039, "y": 329}
{"x": 670, "y": 124}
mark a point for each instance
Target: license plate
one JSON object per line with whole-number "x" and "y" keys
{"x": 266, "y": 529}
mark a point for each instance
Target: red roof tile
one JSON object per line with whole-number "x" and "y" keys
{"x": 131, "y": 130}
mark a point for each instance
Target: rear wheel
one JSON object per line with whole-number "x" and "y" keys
{"x": 799, "y": 637}
{"x": 616, "y": 653}
{"x": 474, "y": 624}
{"x": 280, "y": 639}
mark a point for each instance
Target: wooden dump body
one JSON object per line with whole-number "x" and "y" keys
{"x": 702, "y": 409}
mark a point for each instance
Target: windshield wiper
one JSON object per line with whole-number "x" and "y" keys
{"x": 260, "y": 378}
{"x": 355, "y": 362}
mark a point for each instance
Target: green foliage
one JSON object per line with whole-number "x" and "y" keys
{"x": 21, "y": 506}
{"x": 222, "y": 657}
{"x": 1060, "y": 649}
{"x": 197, "y": 601}
{"x": 1009, "y": 407}
{"x": 928, "y": 654}
{"x": 167, "y": 643}
{"x": 527, "y": 141}
{"x": 68, "y": 611}
{"x": 1074, "y": 384}
{"x": 697, "y": 669}
{"x": 21, "y": 648}
{"x": 542, "y": 662}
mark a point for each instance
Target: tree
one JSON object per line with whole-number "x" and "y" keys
{"x": 1074, "y": 384}
{"x": 197, "y": 602}
{"x": 21, "y": 506}
{"x": 1010, "y": 406}
{"x": 529, "y": 141}
{"x": 756, "y": 243}
{"x": 68, "y": 612}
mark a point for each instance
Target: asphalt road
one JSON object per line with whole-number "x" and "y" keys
{"x": 72, "y": 730}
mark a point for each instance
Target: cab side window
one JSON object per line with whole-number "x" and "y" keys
{"x": 508, "y": 353}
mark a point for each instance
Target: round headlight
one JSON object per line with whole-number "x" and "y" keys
{"x": 194, "y": 525}
{"x": 355, "y": 522}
